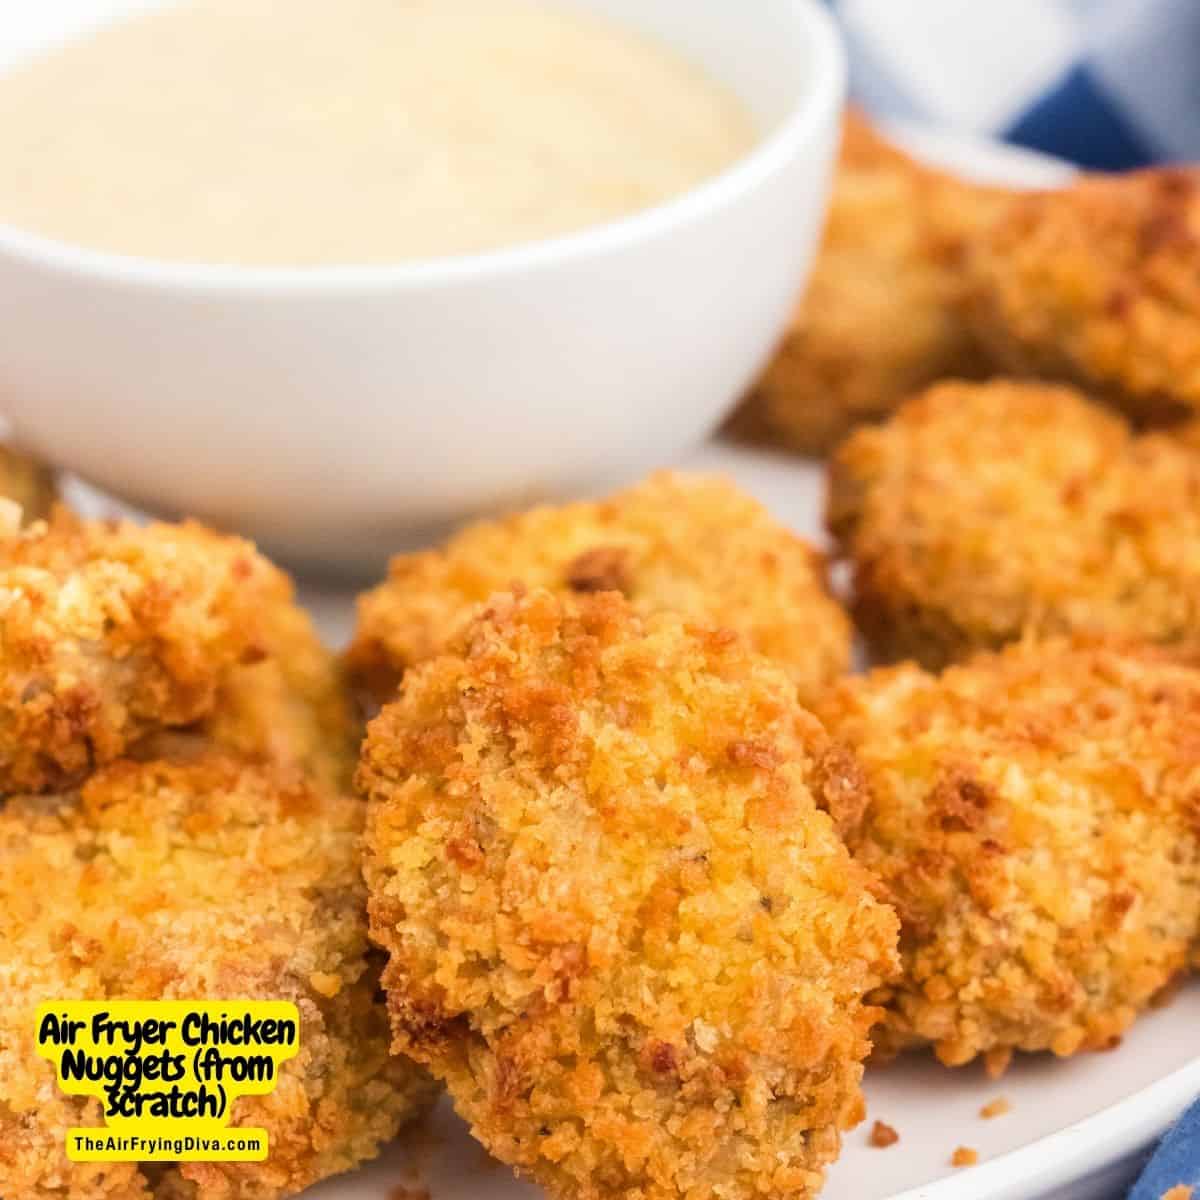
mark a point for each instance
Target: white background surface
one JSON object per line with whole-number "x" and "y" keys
{"x": 1074, "y": 1125}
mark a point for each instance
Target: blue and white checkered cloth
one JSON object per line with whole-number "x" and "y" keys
{"x": 1109, "y": 84}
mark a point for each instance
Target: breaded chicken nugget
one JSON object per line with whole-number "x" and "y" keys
{"x": 26, "y": 483}
{"x": 293, "y": 706}
{"x": 693, "y": 544}
{"x": 1099, "y": 285}
{"x": 206, "y": 880}
{"x": 984, "y": 511}
{"x": 1034, "y": 821}
{"x": 881, "y": 317}
{"x": 619, "y": 927}
{"x": 110, "y": 632}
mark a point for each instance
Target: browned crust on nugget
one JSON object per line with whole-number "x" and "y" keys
{"x": 693, "y": 544}
{"x": 202, "y": 880}
{"x": 1034, "y": 820}
{"x": 981, "y": 512}
{"x": 619, "y": 927}
{"x": 881, "y": 316}
{"x": 293, "y": 707}
{"x": 111, "y": 632}
{"x": 1099, "y": 284}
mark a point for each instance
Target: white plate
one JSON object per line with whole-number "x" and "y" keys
{"x": 1078, "y": 1129}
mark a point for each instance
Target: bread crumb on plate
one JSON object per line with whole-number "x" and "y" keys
{"x": 882, "y": 1136}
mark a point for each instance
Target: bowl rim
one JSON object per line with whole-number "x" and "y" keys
{"x": 822, "y": 88}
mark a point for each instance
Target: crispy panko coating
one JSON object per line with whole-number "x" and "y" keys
{"x": 619, "y": 927}
{"x": 27, "y": 484}
{"x": 1034, "y": 819}
{"x": 110, "y": 632}
{"x": 693, "y": 544}
{"x": 293, "y": 706}
{"x": 202, "y": 880}
{"x": 984, "y": 511}
{"x": 881, "y": 317}
{"x": 1099, "y": 285}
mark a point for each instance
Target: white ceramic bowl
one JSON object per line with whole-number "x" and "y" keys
{"x": 337, "y": 414}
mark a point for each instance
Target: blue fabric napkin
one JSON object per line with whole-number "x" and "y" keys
{"x": 1175, "y": 1163}
{"x": 1109, "y": 84}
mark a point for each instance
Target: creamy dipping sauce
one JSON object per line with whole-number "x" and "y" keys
{"x": 353, "y": 131}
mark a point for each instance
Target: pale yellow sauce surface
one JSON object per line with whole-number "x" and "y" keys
{"x": 353, "y": 131}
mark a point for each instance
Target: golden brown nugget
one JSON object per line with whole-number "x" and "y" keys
{"x": 694, "y": 544}
{"x": 26, "y": 483}
{"x": 619, "y": 927}
{"x": 293, "y": 706}
{"x": 111, "y": 632}
{"x": 882, "y": 315}
{"x": 1099, "y": 284}
{"x": 210, "y": 879}
{"x": 1034, "y": 822}
{"x": 980, "y": 512}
